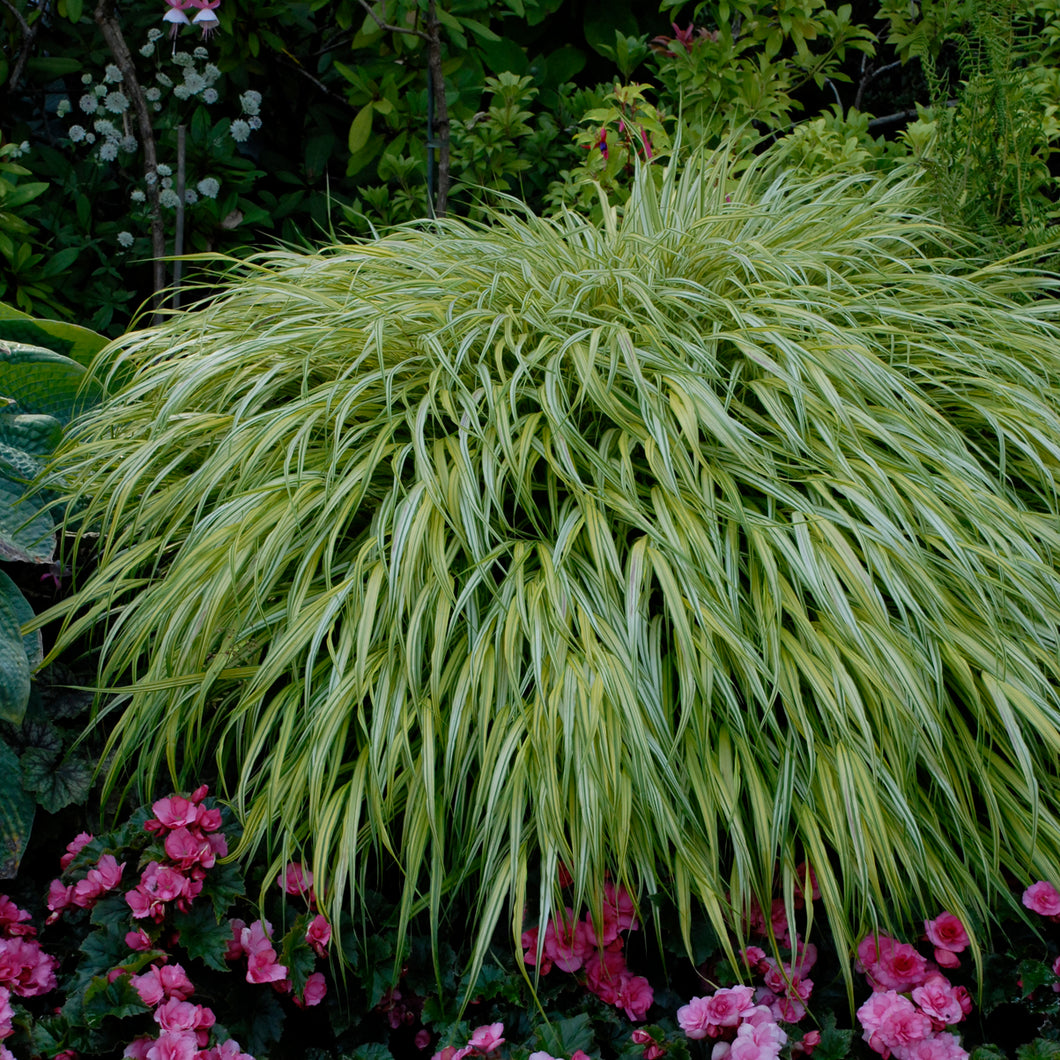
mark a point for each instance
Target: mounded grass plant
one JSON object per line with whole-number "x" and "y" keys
{"x": 714, "y": 538}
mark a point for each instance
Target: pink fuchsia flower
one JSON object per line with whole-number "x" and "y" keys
{"x": 890, "y": 964}
{"x": 73, "y": 848}
{"x": 568, "y": 942}
{"x": 487, "y": 1038}
{"x": 205, "y": 19}
{"x": 1042, "y": 897}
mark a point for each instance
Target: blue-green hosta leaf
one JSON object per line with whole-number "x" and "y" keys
{"x": 41, "y": 380}
{"x": 17, "y": 809}
{"x": 78, "y": 343}
{"x": 23, "y": 612}
{"x": 27, "y": 532}
{"x": 14, "y": 664}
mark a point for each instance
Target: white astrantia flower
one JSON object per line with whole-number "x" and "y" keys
{"x": 100, "y": 91}
{"x": 209, "y": 187}
{"x": 150, "y": 178}
{"x": 90, "y": 138}
{"x": 126, "y": 239}
{"x": 153, "y": 34}
{"x": 112, "y": 75}
{"x": 128, "y": 144}
{"x": 62, "y": 108}
{"x": 164, "y": 80}
{"x": 167, "y": 197}
{"x": 194, "y": 80}
{"x": 163, "y": 170}
{"x": 88, "y": 103}
{"x": 182, "y": 59}
{"x": 156, "y": 107}
{"x": 108, "y": 150}
{"x": 104, "y": 127}
{"x": 147, "y": 50}
{"x": 116, "y": 102}
{"x": 250, "y": 101}
{"x": 182, "y": 91}
{"x": 153, "y": 94}
{"x": 86, "y": 79}
{"x": 190, "y": 196}
{"x": 211, "y": 73}
{"x": 240, "y": 130}
{"x": 76, "y": 133}
{"x": 137, "y": 195}
{"x": 167, "y": 182}
{"x": 209, "y": 95}
{"x": 254, "y": 122}
{"x": 200, "y": 53}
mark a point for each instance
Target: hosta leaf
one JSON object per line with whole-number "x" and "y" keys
{"x": 14, "y": 661}
{"x": 27, "y": 532}
{"x": 17, "y": 809}
{"x": 78, "y": 343}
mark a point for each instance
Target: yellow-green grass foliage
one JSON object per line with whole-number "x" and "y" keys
{"x": 685, "y": 546}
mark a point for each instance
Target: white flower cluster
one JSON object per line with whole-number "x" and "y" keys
{"x": 126, "y": 239}
{"x": 209, "y": 187}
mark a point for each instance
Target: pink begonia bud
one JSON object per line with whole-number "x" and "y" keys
{"x": 138, "y": 940}
{"x": 579, "y": 1055}
{"x": 1042, "y": 897}
{"x": 641, "y": 1037}
{"x": 422, "y": 1039}
{"x": 318, "y": 934}
{"x": 296, "y": 879}
{"x": 488, "y": 1037}
{"x": 74, "y": 847}
{"x": 810, "y": 1041}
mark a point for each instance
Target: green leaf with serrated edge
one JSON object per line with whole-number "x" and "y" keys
{"x": 14, "y": 667}
{"x": 23, "y": 612}
{"x": 67, "y": 783}
{"x": 296, "y": 955}
{"x": 835, "y": 1043}
{"x": 27, "y": 533}
{"x": 112, "y": 908}
{"x": 226, "y": 885}
{"x": 103, "y": 949}
{"x": 371, "y": 1051}
{"x": 1039, "y": 1049}
{"x": 204, "y": 935}
{"x": 987, "y": 1052}
{"x": 17, "y": 809}
{"x": 118, "y": 998}
{"x": 261, "y": 1025}
{"x": 1034, "y": 974}
{"x": 565, "y": 1037}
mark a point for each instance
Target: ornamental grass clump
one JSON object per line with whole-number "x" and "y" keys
{"x": 717, "y": 537}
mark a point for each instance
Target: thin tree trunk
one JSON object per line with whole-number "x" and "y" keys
{"x": 440, "y": 132}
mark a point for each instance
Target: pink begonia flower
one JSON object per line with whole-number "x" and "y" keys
{"x": 946, "y": 932}
{"x": 174, "y": 811}
{"x": 7, "y": 1013}
{"x": 73, "y": 848}
{"x": 316, "y": 989}
{"x": 487, "y": 1038}
{"x": 296, "y": 879}
{"x": 890, "y": 1022}
{"x": 13, "y": 921}
{"x": 318, "y": 934}
{"x": 261, "y": 957}
{"x": 235, "y": 943}
{"x": 703, "y": 1017}
{"x": 810, "y": 1041}
{"x": 422, "y": 1039}
{"x": 754, "y": 956}
{"x": 641, "y": 1037}
{"x": 634, "y": 996}
{"x": 1042, "y": 897}
{"x": 161, "y": 983}
{"x": 934, "y": 1047}
{"x": 137, "y": 1048}
{"x": 890, "y": 964}
{"x": 541, "y": 1055}
{"x": 603, "y": 971}
{"x": 25, "y": 969}
{"x": 568, "y": 942}
{"x": 59, "y": 897}
{"x": 757, "y": 1042}
{"x": 450, "y": 1052}
{"x": 174, "y": 1045}
{"x": 177, "y": 1015}
{"x": 529, "y": 944}
{"x": 138, "y": 940}
{"x": 230, "y": 1050}
{"x": 939, "y": 1001}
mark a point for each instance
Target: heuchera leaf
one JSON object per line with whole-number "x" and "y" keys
{"x": 204, "y": 935}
